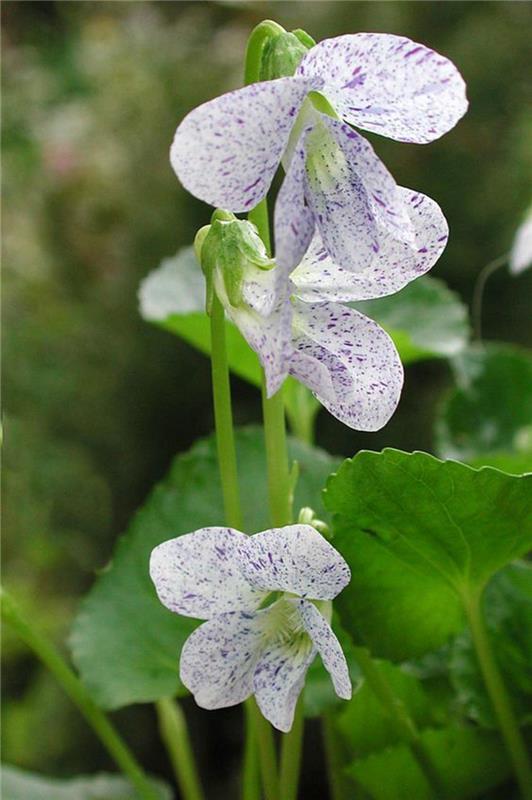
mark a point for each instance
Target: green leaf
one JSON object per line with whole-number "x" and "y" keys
{"x": 125, "y": 644}
{"x": 425, "y": 320}
{"x": 508, "y": 605}
{"x": 487, "y": 419}
{"x": 364, "y": 724}
{"x": 421, "y": 537}
{"x": 20, "y": 785}
{"x": 469, "y": 762}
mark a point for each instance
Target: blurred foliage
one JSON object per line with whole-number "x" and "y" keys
{"x": 97, "y": 402}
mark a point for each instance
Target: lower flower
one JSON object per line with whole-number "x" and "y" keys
{"x": 247, "y": 646}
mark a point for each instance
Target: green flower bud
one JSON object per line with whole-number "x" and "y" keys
{"x": 282, "y": 54}
{"x": 228, "y": 248}
{"x": 307, "y": 516}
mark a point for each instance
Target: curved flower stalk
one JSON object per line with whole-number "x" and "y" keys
{"x": 296, "y": 322}
{"x": 266, "y": 602}
{"x": 227, "y": 151}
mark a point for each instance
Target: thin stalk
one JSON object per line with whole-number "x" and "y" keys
{"x": 279, "y": 488}
{"x": 268, "y": 757}
{"x": 174, "y": 734}
{"x": 106, "y": 732}
{"x": 250, "y": 769}
{"x": 339, "y": 788}
{"x": 291, "y": 751}
{"x": 223, "y": 417}
{"x": 258, "y": 732}
{"x": 404, "y": 724}
{"x": 499, "y": 697}
{"x": 478, "y": 293}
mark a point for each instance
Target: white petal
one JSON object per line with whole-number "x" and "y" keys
{"x": 389, "y": 85}
{"x": 199, "y": 574}
{"x": 226, "y": 151}
{"x": 270, "y": 337}
{"x": 219, "y": 658}
{"x": 354, "y": 354}
{"x": 521, "y": 255}
{"x": 354, "y": 199}
{"x": 328, "y": 647}
{"x": 280, "y": 676}
{"x": 389, "y": 270}
{"x": 294, "y": 559}
{"x": 293, "y": 219}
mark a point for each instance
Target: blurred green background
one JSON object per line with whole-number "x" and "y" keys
{"x": 96, "y": 401}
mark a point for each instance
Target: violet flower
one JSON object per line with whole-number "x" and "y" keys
{"x": 227, "y": 151}
{"x": 297, "y": 324}
{"x": 266, "y": 602}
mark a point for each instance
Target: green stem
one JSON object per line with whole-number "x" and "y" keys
{"x": 223, "y": 417}
{"x": 250, "y": 770}
{"x": 339, "y": 788}
{"x": 500, "y": 700}
{"x": 279, "y": 488}
{"x": 478, "y": 293}
{"x": 291, "y": 749}
{"x": 174, "y": 733}
{"x": 73, "y": 687}
{"x": 268, "y": 757}
{"x": 405, "y": 726}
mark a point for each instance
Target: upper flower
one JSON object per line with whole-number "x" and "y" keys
{"x": 254, "y": 642}
{"x": 227, "y": 151}
{"x": 347, "y": 360}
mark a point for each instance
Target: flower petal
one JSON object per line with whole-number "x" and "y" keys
{"x": 294, "y": 559}
{"x": 270, "y": 337}
{"x": 389, "y": 85}
{"x": 393, "y": 267}
{"x": 354, "y": 199}
{"x": 293, "y": 219}
{"x": 199, "y": 575}
{"x": 226, "y": 151}
{"x": 521, "y": 253}
{"x": 328, "y": 647}
{"x": 279, "y": 678}
{"x": 354, "y": 354}
{"x": 219, "y": 658}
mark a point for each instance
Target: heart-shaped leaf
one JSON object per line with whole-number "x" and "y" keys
{"x": 422, "y": 538}
{"x": 125, "y": 644}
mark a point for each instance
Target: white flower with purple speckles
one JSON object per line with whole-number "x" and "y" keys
{"x": 227, "y": 151}
{"x": 298, "y": 326}
{"x": 266, "y": 602}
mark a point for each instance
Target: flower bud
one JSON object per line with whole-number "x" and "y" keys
{"x": 227, "y": 249}
{"x": 283, "y": 53}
